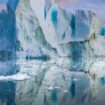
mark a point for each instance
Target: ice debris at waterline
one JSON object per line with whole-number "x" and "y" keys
{"x": 45, "y": 29}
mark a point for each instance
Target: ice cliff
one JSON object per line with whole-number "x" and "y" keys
{"x": 69, "y": 33}
{"x": 42, "y": 28}
{"x": 29, "y": 32}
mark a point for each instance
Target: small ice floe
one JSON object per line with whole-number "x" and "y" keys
{"x": 97, "y": 69}
{"x": 65, "y": 91}
{"x": 17, "y": 77}
{"x": 75, "y": 79}
{"x": 50, "y": 88}
{"x": 57, "y": 87}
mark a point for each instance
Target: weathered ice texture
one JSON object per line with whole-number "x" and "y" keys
{"x": 29, "y": 32}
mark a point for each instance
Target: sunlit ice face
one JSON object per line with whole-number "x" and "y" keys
{"x": 97, "y": 6}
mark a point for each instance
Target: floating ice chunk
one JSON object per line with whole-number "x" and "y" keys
{"x": 65, "y": 91}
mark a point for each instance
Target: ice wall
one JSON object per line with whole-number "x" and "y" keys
{"x": 42, "y": 28}
{"x": 29, "y": 32}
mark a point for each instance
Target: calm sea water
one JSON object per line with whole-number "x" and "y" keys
{"x": 54, "y": 82}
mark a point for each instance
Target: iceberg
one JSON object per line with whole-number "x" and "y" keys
{"x": 62, "y": 28}
{"x": 46, "y": 30}
{"x": 30, "y": 35}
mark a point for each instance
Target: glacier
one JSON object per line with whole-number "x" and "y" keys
{"x": 63, "y": 30}
{"x": 49, "y": 31}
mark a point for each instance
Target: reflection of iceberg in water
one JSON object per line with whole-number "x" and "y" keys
{"x": 7, "y": 88}
{"x": 7, "y": 93}
{"x": 74, "y": 63}
{"x": 97, "y": 76}
{"x": 79, "y": 56}
{"x": 54, "y": 83}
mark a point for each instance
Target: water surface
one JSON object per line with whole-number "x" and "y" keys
{"x": 52, "y": 82}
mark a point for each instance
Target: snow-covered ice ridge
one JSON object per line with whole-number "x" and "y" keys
{"x": 45, "y": 29}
